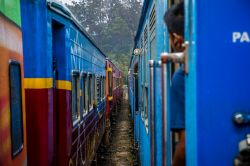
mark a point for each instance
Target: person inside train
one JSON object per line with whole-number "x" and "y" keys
{"x": 174, "y": 19}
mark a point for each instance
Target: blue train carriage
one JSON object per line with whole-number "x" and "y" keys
{"x": 217, "y": 64}
{"x": 133, "y": 95}
{"x": 64, "y": 86}
{"x": 150, "y": 41}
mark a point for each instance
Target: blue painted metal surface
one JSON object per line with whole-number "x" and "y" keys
{"x": 191, "y": 121}
{"x": 31, "y": 52}
{"x": 218, "y": 65}
{"x": 83, "y": 51}
{"x": 218, "y": 81}
{"x": 158, "y": 116}
{"x": 161, "y": 45}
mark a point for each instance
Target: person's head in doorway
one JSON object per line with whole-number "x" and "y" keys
{"x": 174, "y": 19}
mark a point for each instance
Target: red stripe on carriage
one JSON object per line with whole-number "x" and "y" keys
{"x": 50, "y": 130}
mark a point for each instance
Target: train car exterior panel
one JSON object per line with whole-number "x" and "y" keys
{"x": 13, "y": 149}
{"x": 151, "y": 40}
{"x": 71, "y": 67}
{"x": 218, "y": 91}
{"x": 212, "y": 115}
{"x": 113, "y": 93}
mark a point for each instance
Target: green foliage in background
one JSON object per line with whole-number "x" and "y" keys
{"x": 112, "y": 24}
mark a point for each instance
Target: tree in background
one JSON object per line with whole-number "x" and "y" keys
{"x": 112, "y": 24}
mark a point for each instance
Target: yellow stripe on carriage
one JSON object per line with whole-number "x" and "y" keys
{"x": 46, "y": 83}
{"x": 62, "y": 84}
{"x": 109, "y": 69}
{"x": 110, "y": 98}
{"x": 38, "y": 83}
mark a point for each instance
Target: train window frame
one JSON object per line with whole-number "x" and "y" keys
{"x": 98, "y": 88}
{"x": 146, "y": 111}
{"x": 83, "y": 93}
{"x": 142, "y": 60}
{"x": 146, "y": 68}
{"x": 18, "y": 150}
{"x": 110, "y": 83}
{"x": 103, "y": 81}
{"x": 90, "y": 91}
{"x": 104, "y": 87}
{"x": 99, "y": 81}
{"x": 86, "y": 92}
{"x": 145, "y": 32}
{"x": 101, "y": 88}
{"x": 152, "y": 32}
{"x": 94, "y": 90}
{"x": 75, "y": 88}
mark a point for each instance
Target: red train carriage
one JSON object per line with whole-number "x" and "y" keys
{"x": 12, "y": 107}
{"x": 113, "y": 92}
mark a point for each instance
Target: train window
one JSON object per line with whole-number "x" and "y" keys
{"x": 104, "y": 86}
{"x": 145, "y": 53}
{"x": 101, "y": 88}
{"x": 103, "y": 83}
{"x": 98, "y": 89}
{"x": 142, "y": 102}
{"x": 16, "y": 107}
{"x": 141, "y": 60}
{"x": 75, "y": 97}
{"x": 146, "y": 106}
{"x": 110, "y": 83}
{"x": 90, "y": 91}
{"x": 86, "y": 106}
{"x": 94, "y": 90}
{"x": 84, "y": 94}
{"x": 152, "y": 29}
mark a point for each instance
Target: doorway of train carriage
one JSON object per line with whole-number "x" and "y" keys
{"x": 136, "y": 104}
{"x": 58, "y": 44}
{"x": 175, "y": 134}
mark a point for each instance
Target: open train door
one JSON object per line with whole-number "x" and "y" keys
{"x": 218, "y": 81}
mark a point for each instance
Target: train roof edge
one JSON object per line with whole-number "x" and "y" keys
{"x": 61, "y": 9}
{"x": 143, "y": 13}
{"x": 139, "y": 28}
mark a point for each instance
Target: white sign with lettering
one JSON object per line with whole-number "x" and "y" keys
{"x": 240, "y": 37}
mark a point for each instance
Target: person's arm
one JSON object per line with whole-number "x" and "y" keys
{"x": 179, "y": 155}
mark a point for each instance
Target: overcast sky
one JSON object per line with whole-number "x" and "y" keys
{"x": 69, "y": 1}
